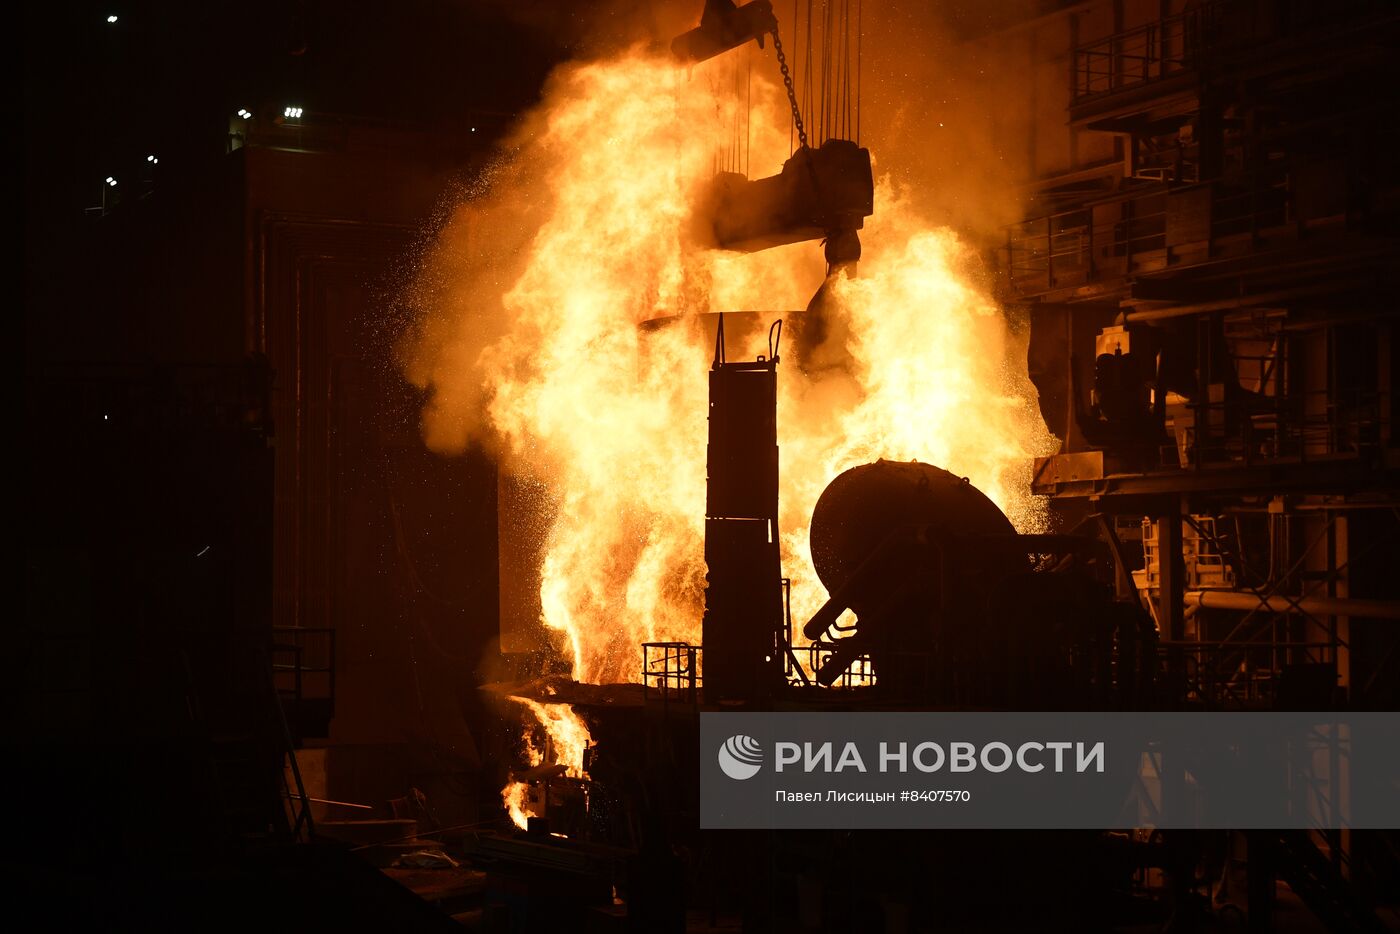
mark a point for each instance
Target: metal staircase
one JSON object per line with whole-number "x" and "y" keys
{"x": 249, "y": 747}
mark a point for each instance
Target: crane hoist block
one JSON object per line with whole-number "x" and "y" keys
{"x": 818, "y": 194}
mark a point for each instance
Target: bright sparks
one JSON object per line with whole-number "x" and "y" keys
{"x": 531, "y": 345}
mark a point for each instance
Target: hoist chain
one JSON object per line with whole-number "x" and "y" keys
{"x": 791, "y": 93}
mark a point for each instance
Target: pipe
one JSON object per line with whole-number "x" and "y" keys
{"x": 1321, "y": 606}
{"x": 1227, "y": 304}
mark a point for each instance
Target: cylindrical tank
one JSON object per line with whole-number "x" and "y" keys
{"x": 862, "y": 506}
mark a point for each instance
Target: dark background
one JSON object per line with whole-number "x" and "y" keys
{"x": 217, "y": 439}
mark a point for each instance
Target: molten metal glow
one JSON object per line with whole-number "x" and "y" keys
{"x": 531, "y": 345}
{"x": 567, "y": 736}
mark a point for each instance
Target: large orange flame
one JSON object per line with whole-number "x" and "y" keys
{"x": 538, "y": 285}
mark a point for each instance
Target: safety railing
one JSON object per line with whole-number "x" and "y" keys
{"x": 1180, "y": 43}
{"x": 1260, "y": 430}
{"x": 1144, "y": 54}
{"x": 671, "y": 672}
{"x": 1143, "y": 233}
{"x": 1074, "y": 247}
{"x": 860, "y": 673}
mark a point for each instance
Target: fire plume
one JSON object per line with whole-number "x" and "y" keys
{"x": 531, "y": 345}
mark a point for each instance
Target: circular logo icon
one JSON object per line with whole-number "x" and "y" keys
{"x": 740, "y": 757}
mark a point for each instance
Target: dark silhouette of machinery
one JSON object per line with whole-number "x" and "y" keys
{"x": 744, "y": 587}
{"x": 823, "y": 193}
{"x": 952, "y": 606}
{"x": 1149, "y": 377}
